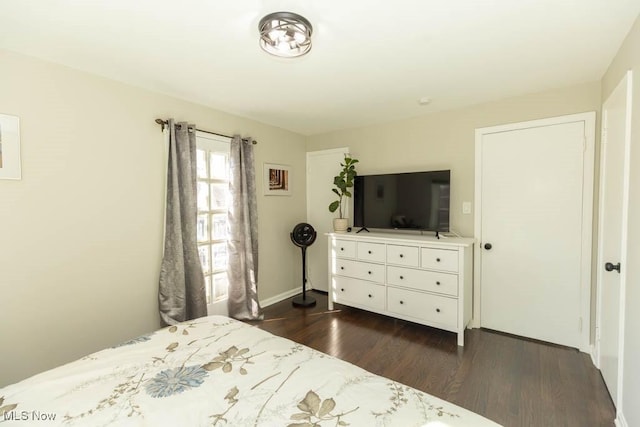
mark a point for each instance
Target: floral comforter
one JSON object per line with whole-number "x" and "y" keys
{"x": 217, "y": 371}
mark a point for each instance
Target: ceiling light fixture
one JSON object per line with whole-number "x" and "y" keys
{"x": 285, "y": 34}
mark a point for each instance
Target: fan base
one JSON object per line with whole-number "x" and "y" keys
{"x": 304, "y": 302}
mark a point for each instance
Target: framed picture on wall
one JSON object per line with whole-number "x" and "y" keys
{"x": 10, "y": 147}
{"x": 277, "y": 179}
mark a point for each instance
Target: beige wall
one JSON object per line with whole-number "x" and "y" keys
{"x": 628, "y": 57}
{"x": 446, "y": 140}
{"x": 81, "y": 233}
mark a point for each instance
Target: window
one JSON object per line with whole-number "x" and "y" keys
{"x": 212, "y": 157}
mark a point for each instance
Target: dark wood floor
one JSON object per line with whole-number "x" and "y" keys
{"x": 515, "y": 382}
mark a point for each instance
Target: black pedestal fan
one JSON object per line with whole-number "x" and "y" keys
{"x": 303, "y": 236}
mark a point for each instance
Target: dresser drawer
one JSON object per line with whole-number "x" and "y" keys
{"x": 439, "y": 259}
{"x": 403, "y": 255}
{"x": 360, "y": 270}
{"x": 353, "y": 291}
{"x": 344, "y": 248}
{"x": 371, "y": 251}
{"x": 423, "y": 280}
{"x": 426, "y": 307}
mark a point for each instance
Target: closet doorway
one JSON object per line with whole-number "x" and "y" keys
{"x": 322, "y": 166}
{"x": 533, "y": 225}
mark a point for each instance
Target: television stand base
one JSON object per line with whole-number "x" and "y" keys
{"x": 362, "y": 229}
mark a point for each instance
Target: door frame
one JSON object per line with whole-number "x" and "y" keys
{"x": 623, "y": 236}
{"x": 589, "y": 119}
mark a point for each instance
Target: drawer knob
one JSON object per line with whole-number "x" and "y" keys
{"x": 341, "y": 268}
{"x": 438, "y": 283}
{"x": 437, "y": 259}
{"x": 369, "y": 295}
{"x": 401, "y": 277}
{"x": 401, "y": 302}
{"x": 369, "y": 272}
{"x": 401, "y": 256}
{"x": 369, "y": 251}
{"x": 438, "y": 310}
{"x": 342, "y": 289}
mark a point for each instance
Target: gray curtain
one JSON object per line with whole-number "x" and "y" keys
{"x": 182, "y": 294}
{"x": 243, "y": 228}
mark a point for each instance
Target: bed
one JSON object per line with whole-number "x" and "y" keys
{"x": 216, "y": 371}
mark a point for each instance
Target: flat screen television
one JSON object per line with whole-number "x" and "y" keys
{"x": 408, "y": 201}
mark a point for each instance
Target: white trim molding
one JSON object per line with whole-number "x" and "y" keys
{"x": 280, "y": 297}
{"x": 620, "y": 421}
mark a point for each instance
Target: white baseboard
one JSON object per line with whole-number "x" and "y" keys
{"x": 620, "y": 421}
{"x": 280, "y": 297}
{"x": 594, "y": 356}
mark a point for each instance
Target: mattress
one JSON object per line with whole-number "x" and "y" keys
{"x": 216, "y": 371}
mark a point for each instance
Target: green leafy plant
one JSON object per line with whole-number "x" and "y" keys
{"x": 343, "y": 182}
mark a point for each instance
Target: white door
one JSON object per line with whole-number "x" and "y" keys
{"x": 534, "y": 219}
{"x": 322, "y": 166}
{"x": 616, "y": 122}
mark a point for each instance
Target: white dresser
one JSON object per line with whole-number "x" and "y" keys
{"x": 412, "y": 277}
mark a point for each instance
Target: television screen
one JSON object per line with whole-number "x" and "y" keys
{"x": 413, "y": 201}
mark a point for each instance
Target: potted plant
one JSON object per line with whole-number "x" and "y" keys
{"x": 343, "y": 182}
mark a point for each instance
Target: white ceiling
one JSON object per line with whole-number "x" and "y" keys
{"x": 371, "y": 60}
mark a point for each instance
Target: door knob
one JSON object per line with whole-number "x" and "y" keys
{"x": 487, "y": 246}
{"x": 610, "y": 267}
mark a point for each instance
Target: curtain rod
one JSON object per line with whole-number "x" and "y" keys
{"x": 165, "y": 122}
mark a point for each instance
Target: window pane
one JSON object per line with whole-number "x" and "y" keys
{"x": 219, "y": 256}
{"x": 202, "y": 230}
{"x": 219, "y": 166}
{"x": 219, "y": 196}
{"x": 201, "y": 162}
{"x": 205, "y": 257}
{"x": 220, "y": 286}
{"x": 207, "y": 287}
{"x": 219, "y": 225}
{"x": 203, "y": 196}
